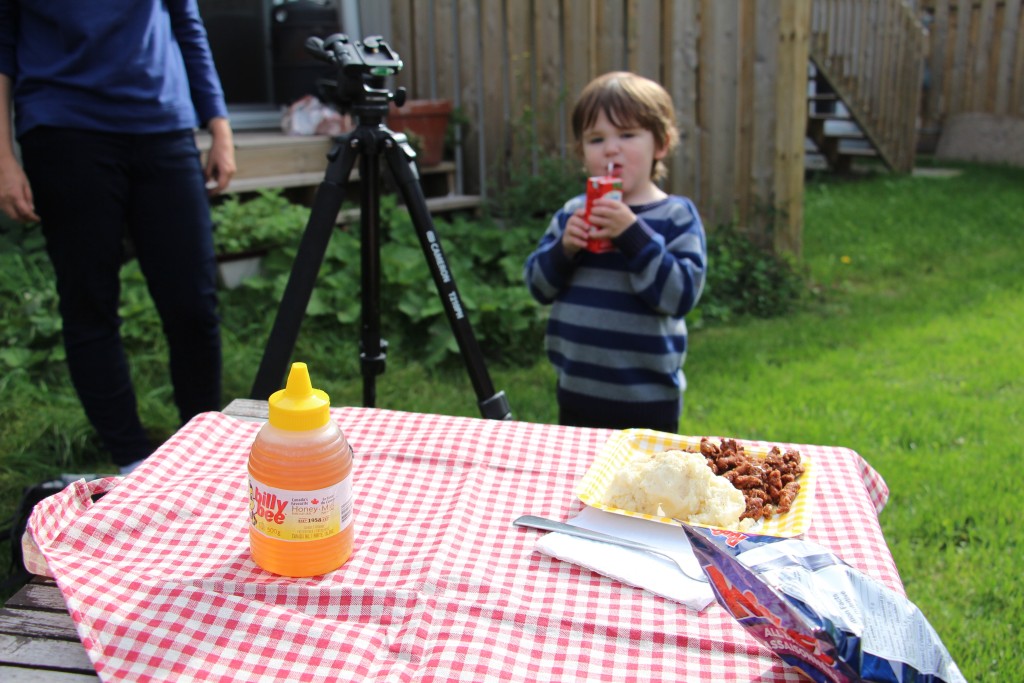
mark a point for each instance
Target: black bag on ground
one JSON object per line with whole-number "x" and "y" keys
{"x": 14, "y": 528}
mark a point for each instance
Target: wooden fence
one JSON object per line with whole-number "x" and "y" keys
{"x": 737, "y": 72}
{"x": 975, "y": 61}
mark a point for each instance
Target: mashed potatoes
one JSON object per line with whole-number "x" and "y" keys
{"x": 676, "y": 484}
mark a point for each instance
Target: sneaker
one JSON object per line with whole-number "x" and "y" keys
{"x": 129, "y": 468}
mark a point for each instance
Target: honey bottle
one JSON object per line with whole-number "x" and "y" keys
{"x": 300, "y": 484}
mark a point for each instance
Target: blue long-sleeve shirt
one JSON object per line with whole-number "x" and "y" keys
{"x": 129, "y": 66}
{"x": 616, "y": 334}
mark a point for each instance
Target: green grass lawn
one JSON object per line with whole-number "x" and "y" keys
{"x": 909, "y": 351}
{"x": 913, "y": 357}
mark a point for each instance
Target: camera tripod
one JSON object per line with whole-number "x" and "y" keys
{"x": 370, "y": 141}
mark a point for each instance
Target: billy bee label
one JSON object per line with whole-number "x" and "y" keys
{"x": 300, "y": 515}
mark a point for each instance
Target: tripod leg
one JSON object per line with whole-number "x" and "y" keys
{"x": 372, "y": 349}
{"x": 492, "y": 405}
{"x": 329, "y": 196}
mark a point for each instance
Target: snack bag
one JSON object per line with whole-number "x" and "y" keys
{"x": 817, "y": 613}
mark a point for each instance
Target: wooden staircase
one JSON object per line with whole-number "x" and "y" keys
{"x": 867, "y": 62}
{"x": 834, "y": 139}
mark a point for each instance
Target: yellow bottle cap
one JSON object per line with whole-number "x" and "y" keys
{"x": 299, "y": 407}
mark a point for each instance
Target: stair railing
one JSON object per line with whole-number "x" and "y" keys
{"x": 872, "y": 53}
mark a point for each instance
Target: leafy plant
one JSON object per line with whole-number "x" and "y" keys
{"x": 534, "y": 185}
{"x": 485, "y": 260}
{"x": 30, "y": 329}
{"x": 30, "y": 324}
{"x": 746, "y": 279}
{"x": 458, "y": 123}
{"x": 256, "y": 224}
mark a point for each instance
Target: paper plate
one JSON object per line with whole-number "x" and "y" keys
{"x": 615, "y": 453}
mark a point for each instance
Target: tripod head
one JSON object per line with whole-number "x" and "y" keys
{"x": 361, "y": 68}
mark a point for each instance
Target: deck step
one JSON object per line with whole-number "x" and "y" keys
{"x": 314, "y": 178}
{"x": 436, "y": 205}
{"x": 858, "y": 151}
{"x": 269, "y": 159}
{"x": 828, "y": 116}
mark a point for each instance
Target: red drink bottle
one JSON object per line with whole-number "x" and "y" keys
{"x": 601, "y": 186}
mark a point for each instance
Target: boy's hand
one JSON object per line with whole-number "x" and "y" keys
{"x": 576, "y": 232}
{"x": 610, "y": 218}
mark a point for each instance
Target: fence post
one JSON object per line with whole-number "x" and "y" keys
{"x": 791, "y": 125}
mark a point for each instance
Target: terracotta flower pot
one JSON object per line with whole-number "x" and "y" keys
{"x": 428, "y": 120}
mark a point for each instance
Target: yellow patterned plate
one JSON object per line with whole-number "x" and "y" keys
{"x": 624, "y": 445}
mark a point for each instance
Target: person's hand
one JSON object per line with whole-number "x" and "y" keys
{"x": 609, "y": 218}
{"x": 220, "y": 162}
{"x": 15, "y": 193}
{"x": 576, "y": 233}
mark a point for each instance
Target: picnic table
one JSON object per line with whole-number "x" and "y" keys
{"x": 155, "y": 582}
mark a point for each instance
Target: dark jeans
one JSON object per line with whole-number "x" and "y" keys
{"x": 92, "y": 190}
{"x": 571, "y": 418}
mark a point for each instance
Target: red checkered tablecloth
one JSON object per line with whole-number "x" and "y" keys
{"x": 441, "y": 586}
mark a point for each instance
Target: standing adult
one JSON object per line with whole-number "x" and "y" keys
{"x": 106, "y": 97}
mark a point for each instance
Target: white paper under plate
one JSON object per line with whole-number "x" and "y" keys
{"x": 615, "y": 453}
{"x": 634, "y": 567}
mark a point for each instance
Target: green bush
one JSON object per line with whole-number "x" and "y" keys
{"x": 244, "y": 225}
{"x": 536, "y": 193}
{"x": 486, "y": 263}
{"x": 30, "y": 324}
{"x": 533, "y": 185}
{"x": 746, "y": 280}
{"x": 31, "y": 329}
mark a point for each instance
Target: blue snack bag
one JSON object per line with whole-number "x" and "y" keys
{"x": 817, "y": 613}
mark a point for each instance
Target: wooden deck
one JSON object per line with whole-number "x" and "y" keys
{"x": 270, "y": 159}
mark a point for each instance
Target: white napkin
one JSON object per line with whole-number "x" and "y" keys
{"x": 634, "y": 567}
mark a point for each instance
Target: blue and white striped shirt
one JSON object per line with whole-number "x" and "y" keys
{"x": 616, "y": 334}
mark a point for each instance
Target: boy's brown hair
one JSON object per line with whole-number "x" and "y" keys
{"x": 628, "y": 100}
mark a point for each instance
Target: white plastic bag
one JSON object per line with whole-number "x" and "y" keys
{"x": 310, "y": 116}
